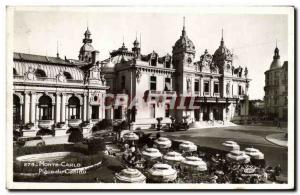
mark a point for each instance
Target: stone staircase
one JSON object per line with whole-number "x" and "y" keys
{"x": 210, "y": 124}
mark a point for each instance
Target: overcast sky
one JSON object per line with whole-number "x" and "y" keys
{"x": 251, "y": 37}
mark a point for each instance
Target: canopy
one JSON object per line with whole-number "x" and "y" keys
{"x": 254, "y": 153}
{"x": 162, "y": 173}
{"x": 188, "y": 146}
{"x": 173, "y": 157}
{"x": 130, "y": 136}
{"x": 163, "y": 142}
{"x": 130, "y": 176}
{"x": 151, "y": 153}
{"x": 238, "y": 156}
{"x": 231, "y": 145}
{"x": 194, "y": 163}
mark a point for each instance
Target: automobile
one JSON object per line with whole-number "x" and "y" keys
{"x": 178, "y": 126}
{"x": 30, "y": 141}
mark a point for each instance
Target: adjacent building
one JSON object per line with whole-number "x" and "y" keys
{"x": 276, "y": 89}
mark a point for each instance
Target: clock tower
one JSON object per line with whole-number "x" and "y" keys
{"x": 183, "y": 61}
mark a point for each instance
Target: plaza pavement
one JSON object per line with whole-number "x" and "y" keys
{"x": 245, "y": 136}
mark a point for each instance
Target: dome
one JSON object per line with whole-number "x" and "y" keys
{"x": 184, "y": 43}
{"x": 222, "y": 53}
{"x": 275, "y": 64}
{"x": 86, "y": 47}
{"x": 110, "y": 64}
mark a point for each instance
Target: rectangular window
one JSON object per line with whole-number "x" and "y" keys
{"x": 216, "y": 87}
{"x": 167, "y": 84}
{"x": 153, "y": 83}
{"x": 240, "y": 90}
{"x": 153, "y": 61}
{"x": 167, "y": 113}
{"x": 168, "y": 64}
{"x": 152, "y": 110}
{"x": 123, "y": 82}
{"x": 196, "y": 86}
{"x": 95, "y": 112}
{"x": 74, "y": 112}
{"x": 206, "y": 86}
{"x": 118, "y": 113}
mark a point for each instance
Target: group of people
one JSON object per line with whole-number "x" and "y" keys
{"x": 220, "y": 169}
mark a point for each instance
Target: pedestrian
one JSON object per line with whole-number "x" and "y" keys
{"x": 279, "y": 125}
{"x": 277, "y": 170}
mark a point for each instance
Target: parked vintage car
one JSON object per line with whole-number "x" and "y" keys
{"x": 30, "y": 141}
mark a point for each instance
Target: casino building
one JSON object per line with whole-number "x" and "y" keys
{"x": 55, "y": 93}
{"x": 217, "y": 87}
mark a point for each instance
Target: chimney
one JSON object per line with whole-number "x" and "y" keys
{"x": 95, "y": 56}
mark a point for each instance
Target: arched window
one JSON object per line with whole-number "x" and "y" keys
{"x": 45, "y": 108}
{"x": 40, "y": 73}
{"x": 16, "y": 110}
{"x": 68, "y": 75}
{"x": 15, "y": 72}
{"x": 74, "y": 108}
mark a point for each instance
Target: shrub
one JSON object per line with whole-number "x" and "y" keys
{"x": 95, "y": 145}
{"x": 28, "y": 125}
{"x": 71, "y": 129}
{"x": 124, "y": 125}
{"x": 84, "y": 124}
{"x": 44, "y": 131}
{"x": 75, "y": 136}
{"x": 105, "y": 124}
{"x": 60, "y": 124}
{"x": 16, "y": 135}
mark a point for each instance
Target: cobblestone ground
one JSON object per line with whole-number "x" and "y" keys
{"x": 245, "y": 136}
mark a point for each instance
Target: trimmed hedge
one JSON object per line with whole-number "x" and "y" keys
{"x": 85, "y": 160}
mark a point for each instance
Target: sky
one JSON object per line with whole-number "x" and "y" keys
{"x": 251, "y": 37}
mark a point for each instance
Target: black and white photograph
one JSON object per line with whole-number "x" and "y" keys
{"x": 150, "y": 97}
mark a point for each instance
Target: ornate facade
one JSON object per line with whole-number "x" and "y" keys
{"x": 276, "y": 88}
{"x": 55, "y": 93}
{"x": 217, "y": 86}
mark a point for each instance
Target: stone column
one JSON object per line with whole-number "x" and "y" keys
{"x": 80, "y": 111}
{"x": 63, "y": 108}
{"x": 26, "y": 107}
{"x": 201, "y": 86}
{"x": 211, "y": 88}
{"x": 53, "y": 110}
{"x": 85, "y": 106}
{"x": 224, "y": 114}
{"x": 89, "y": 112}
{"x": 32, "y": 108}
{"x": 201, "y": 114}
{"x": 67, "y": 113}
{"x": 21, "y": 112}
{"x": 58, "y": 107}
{"x": 211, "y": 114}
{"x": 37, "y": 112}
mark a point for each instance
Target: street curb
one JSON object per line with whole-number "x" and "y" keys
{"x": 275, "y": 139}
